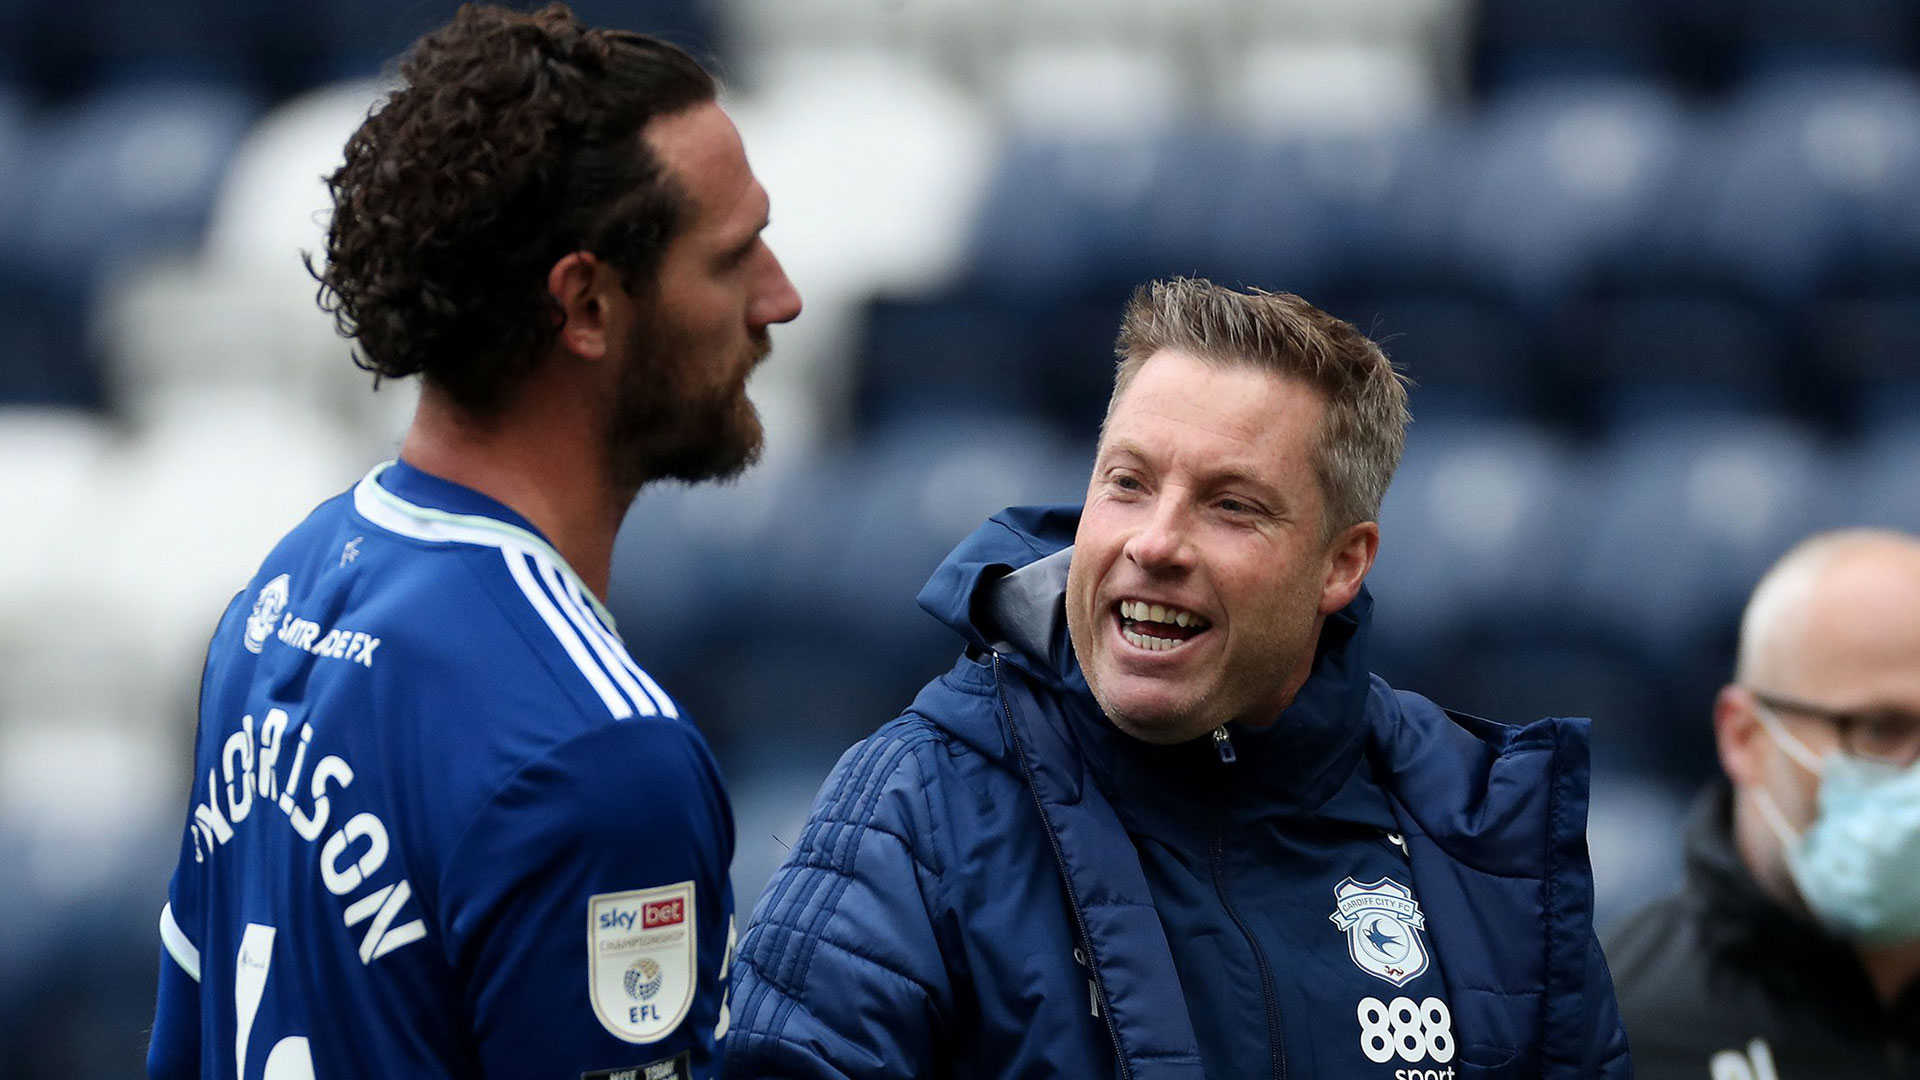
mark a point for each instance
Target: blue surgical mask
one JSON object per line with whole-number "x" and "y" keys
{"x": 1858, "y": 865}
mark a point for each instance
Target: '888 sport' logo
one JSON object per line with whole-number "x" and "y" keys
{"x": 1412, "y": 1032}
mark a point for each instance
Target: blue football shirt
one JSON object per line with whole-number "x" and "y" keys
{"x": 441, "y": 824}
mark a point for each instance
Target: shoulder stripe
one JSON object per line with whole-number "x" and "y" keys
{"x": 517, "y": 565}
{"x": 587, "y": 628}
{"x": 178, "y": 947}
{"x": 598, "y": 628}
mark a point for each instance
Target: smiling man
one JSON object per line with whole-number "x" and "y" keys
{"x": 441, "y": 823}
{"x": 1159, "y": 821}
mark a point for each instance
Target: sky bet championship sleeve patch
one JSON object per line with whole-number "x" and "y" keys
{"x": 641, "y": 959}
{"x": 673, "y": 1068}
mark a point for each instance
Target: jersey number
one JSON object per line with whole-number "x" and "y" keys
{"x": 290, "y": 1058}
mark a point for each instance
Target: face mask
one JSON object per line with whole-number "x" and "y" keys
{"x": 1858, "y": 865}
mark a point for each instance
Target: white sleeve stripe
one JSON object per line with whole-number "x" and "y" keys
{"x": 522, "y": 574}
{"x": 570, "y": 606}
{"x": 178, "y": 947}
{"x": 619, "y": 648}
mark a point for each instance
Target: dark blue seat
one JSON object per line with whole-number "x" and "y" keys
{"x": 361, "y": 37}
{"x": 124, "y": 172}
{"x": 912, "y": 493}
{"x": 1883, "y": 479}
{"x": 1521, "y": 40}
{"x": 1470, "y": 355}
{"x": 1478, "y": 533}
{"x": 1689, "y": 514}
{"x": 1863, "y": 358}
{"x": 1792, "y": 34}
{"x": 1565, "y": 178}
{"x": 923, "y": 356}
{"x": 1812, "y": 177}
{"x": 1062, "y": 218}
{"x": 1639, "y": 357}
{"x": 1310, "y": 211}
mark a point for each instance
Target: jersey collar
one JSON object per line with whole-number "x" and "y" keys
{"x": 403, "y": 499}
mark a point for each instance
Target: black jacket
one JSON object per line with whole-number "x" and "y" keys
{"x": 1720, "y": 971}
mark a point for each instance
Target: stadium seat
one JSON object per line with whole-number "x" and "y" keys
{"x": 1305, "y": 211}
{"x": 1689, "y": 513}
{"x": 1470, "y": 356}
{"x": 272, "y": 207}
{"x": 1522, "y": 40}
{"x": 1292, "y": 87}
{"x": 127, "y": 171}
{"x": 359, "y": 38}
{"x": 1086, "y": 89}
{"x": 1817, "y": 172}
{"x": 922, "y": 357}
{"x": 1477, "y": 534}
{"x": 1058, "y": 215}
{"x": 1863, "y": 358}
{"x": 44, "y": 355}
{"x": 916, "y": 491}
{"x": 1564, "y": 176}
{"x": 1788, "y": 34}
{"x": 1643, "y": 357}
{"x": 1883, "y": 479}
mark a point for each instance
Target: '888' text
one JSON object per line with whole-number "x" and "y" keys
{"x": 1410, "y": 1032}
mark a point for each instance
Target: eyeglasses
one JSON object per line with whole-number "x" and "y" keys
{"x": 1884, "y": 734}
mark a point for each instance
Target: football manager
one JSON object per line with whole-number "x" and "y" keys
{"x": 1793, "y": 949}
{"x": 1159, "y": 821}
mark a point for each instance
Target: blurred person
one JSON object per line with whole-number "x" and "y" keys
{"x": 1159, "y": 820}
{"x": 1793, "y": 948}
{"x": 441, "y": 823}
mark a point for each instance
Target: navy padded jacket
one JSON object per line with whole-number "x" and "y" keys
{"x": 966, "y": 901}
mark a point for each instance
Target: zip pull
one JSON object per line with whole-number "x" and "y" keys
{"x": 1224, "y": 746}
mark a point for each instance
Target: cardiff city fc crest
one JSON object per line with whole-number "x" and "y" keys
{"x": 1383, "y": 925}
{"x": 266, "y": 613}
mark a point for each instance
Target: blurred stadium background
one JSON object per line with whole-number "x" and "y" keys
{"x": 1655, "y": 265}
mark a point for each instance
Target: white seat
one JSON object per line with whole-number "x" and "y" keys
{"x": 874, "y": 168}
{"x": 1326, "y": 87}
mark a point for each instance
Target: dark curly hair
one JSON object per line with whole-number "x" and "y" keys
{"x": 513, "y": 141}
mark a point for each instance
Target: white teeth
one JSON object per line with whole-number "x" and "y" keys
{"x": 1141, "y": 611}
{"x": 1151, "y": 644}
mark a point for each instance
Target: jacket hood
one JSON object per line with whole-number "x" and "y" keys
{"x": 1001, "y": 590}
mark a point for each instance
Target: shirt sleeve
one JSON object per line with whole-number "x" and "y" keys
{"x": 587, "y": 910}
{"x": 174, "y": 1052}
{"x": 842, "y": 973}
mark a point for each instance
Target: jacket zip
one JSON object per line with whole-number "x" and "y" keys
{"x": 1217, "y": 858}
{"x": 1066, "y": 879}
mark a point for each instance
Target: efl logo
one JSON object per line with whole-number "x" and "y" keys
{"x": 663, "y": 913}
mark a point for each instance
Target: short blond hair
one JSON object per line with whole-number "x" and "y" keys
{"x": 1365, "y": 429}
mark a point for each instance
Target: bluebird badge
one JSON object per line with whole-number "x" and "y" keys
{"x": 1383, "y": 925}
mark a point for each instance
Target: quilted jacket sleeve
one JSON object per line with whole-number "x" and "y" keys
{"x": 841, "y": 973}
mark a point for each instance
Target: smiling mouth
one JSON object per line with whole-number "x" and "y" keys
{"x": 1157, "y": 627}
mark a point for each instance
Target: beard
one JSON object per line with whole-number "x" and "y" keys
{"x": 681, "y": 413}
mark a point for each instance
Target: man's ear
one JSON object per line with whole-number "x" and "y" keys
{"x": 579, "y": 282}
{"x": 1737, "y": 734}
{"x": 1349, "y": 557}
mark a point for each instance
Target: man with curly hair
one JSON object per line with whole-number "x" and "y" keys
{"x": 442, "y": 824}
